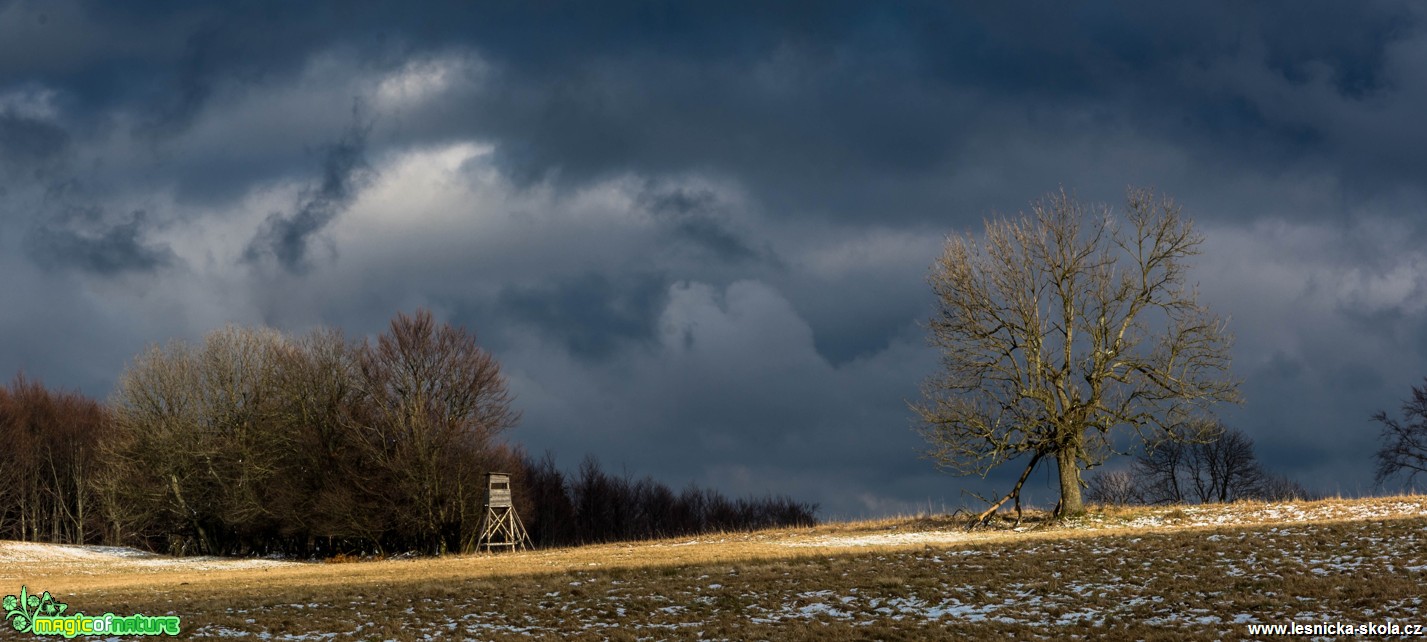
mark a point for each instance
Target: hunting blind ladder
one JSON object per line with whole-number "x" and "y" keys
{"x": 502, "y": 525}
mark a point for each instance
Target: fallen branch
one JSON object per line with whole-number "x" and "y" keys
{"x": 1015, "y": 494}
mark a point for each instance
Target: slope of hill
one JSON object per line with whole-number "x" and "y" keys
{"x": 1200, "y": 572}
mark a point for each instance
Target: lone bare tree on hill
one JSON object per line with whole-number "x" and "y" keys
{"x": 1061, "y": 326}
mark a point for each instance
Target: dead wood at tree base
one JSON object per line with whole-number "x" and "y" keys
{"x": 985, "y": 516}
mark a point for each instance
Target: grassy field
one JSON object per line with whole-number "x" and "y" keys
{"x": 1196, "y": 573}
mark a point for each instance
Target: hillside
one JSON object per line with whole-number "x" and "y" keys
{"x": 1201, "y": 572}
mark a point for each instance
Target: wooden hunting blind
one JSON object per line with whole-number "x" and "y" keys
{"x": 498, "y": 490}
{"x": 501, "y": 527}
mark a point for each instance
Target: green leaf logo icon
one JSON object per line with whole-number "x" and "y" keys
{"x": 22, "y": 610}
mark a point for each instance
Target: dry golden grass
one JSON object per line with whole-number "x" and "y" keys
{"x": 1144, "y": 573}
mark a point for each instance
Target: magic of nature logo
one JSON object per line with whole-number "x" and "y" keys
{"x": 44, "y": 615}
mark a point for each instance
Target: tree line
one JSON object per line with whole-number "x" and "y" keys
{"x": 258, "y": 442}
{"x": 49, "y": 452}
{"x": 594, "y": 506}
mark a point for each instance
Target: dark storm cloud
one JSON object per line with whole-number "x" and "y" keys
{"x": 245, "y": 44}
{"x": 286, "y": 237}
{"x": 29, "y": 145}
{"x": 693, "y": 219}
{"x": 834, "y": 108}
{"x": 866, "y": 108}
{"x": 191, "y": 86}
{"x": 84, "y": 240}
{"x": 592, "y": 315}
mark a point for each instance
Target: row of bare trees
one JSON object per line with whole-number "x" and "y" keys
{"x": 49, "y": 450}
{"x": 1213, "y": 463}
{"x": 257, "y": 442}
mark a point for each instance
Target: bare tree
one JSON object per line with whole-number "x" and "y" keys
{"x": 1061, "y": 326}
{"x": 1225, "y": 468}
{"x": 434, "y": 402}
{"x": 203, "y": 441}
{"x": 1214, "y": 464}
{"x": 331, "y": 493}
{"x": 1158, "y": 471}
{"x": 1404, "y": 443}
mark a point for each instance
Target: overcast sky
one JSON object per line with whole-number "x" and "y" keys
{"x": 696, "y": 235}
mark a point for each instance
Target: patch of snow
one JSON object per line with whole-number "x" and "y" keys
{"x": 884, "y": 539}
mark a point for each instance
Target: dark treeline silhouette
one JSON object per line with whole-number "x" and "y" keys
{"x": 256, "y": 442}
{"x": 594, "y": 506}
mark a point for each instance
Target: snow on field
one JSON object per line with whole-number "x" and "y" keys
{"x": 14, "y": 552}
{"x": 885, "y": 539}
{"x": 1247, "y": 513}
{"x": 99, "y": 559}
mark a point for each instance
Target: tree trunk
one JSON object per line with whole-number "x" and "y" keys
{"x": 80, "y": 490}
{"x": 1070, "y": 502}
{"x": 205, "y": 546}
